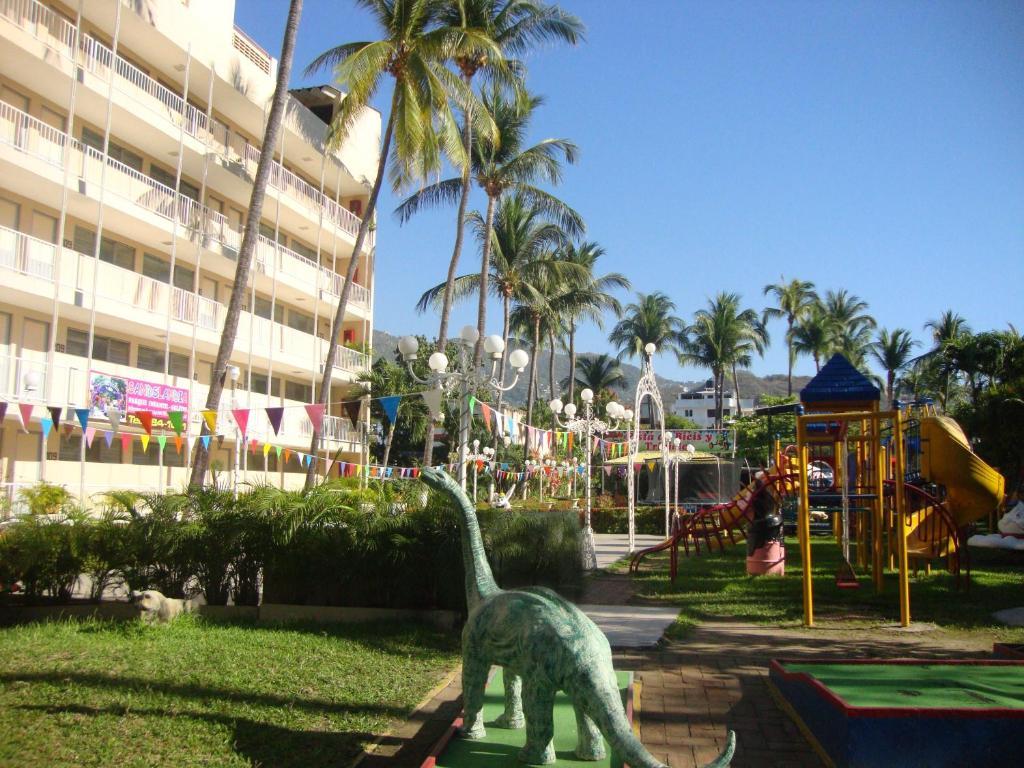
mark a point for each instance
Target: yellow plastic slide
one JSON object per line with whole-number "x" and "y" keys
{"x": 973, "y": 488}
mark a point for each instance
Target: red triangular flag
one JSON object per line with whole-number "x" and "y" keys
{"x": 316, "y": 415}
{"x": 126, "y": 440}
{"x": 146, "y": 417}
{"x": 26, "y": 414}
{"x": 241, "y": 419}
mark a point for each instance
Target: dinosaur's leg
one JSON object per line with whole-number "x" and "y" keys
{"x": 474, "y": 682}
{"x": 512, "y": 717}
{"x": 539, "y": 703}
{"x": 589, "y": 742}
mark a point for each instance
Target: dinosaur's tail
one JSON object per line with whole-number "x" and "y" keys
{"x": 480, "y": 581}
{"x": 612, "y": 722}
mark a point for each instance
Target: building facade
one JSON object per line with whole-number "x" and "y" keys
{"x": 699, "y": 405}
{"x": 129, "y": 138}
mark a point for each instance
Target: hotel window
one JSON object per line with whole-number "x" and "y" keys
{"x": 300, "y": 321}
{"x": 103, "y": 347}
{"x": 265, "y": 308}
{"x": 293, "y": 390}
{"x": 160, "y": 269}
{"x": 304, "y": 250}
{"x": 114, "y": 150}
{"x": 166, "y": 178}
{"x": 111, "y": 251}
{"x": 259, "y": 383}
{"x": 98, "y": 452}
{"x": 151, "y": 456}
{"x": 153, "y": 360}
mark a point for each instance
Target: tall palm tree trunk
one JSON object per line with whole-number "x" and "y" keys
{"x": 485, "y": 269}
{"x": 239, "y": 290}
{"x": 736, "y": 390}
{"x": 460, "y": 228}
{"x": 388, "y": 442}
{"x": 353, "y": 265}
{"x": 572, "y": 360}
{"x": 531, "y": 390}
{"x": 789, "y": 343}
{"x": 551, "y": 363}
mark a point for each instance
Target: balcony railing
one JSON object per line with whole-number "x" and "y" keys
{"x": 25, "y": 255}
{"x": 37, "y": 139}
{"x": 58, "y": 33}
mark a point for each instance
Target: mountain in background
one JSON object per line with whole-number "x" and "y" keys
{"x": 386, "y": 345}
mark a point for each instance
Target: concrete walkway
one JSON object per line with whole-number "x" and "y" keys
{"x": 612, "y": 547}
{"x": 632, "y": 626}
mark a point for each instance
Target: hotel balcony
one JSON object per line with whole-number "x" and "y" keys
{"x": 136, "y": 204}
{"x": 45, "y": 40}
{"x": 143, "y": 307}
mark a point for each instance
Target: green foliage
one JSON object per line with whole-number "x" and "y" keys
{"x": 675, "y": 421}
{"x": 649, "y": 520}
{"x": 45, "y": 554}
{"x": 755, "y": 434}
{"x": 46, "y": 499}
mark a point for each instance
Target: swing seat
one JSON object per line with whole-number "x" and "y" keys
{"x": 846, "y": 578}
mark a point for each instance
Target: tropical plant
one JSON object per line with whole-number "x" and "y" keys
{"x": 598, "y": 373}
{"x": 649, "y": 320}
{"x": 892, "y": 351}
{"x": 949, "y": 326}
{"x": 793, "y": 300}
{"x": 386, "y": 378}
{"x": 46, "y": 498}
{"x": 850, "y": 325}
{"x": 590, "y": 299}
{"x": 515, "y": 26}
{"x": 722, "y": 338}
{"x": 413, "y": 50}
{"x": 240, "y": 285}
{"x": 812, "y": 335}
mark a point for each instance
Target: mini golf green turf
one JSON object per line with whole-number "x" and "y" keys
{"x": 501, "y": 745}
{"x": 944, "y": 686}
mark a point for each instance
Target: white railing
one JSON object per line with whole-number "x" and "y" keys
{"x": 26, "y": 255}
{"x": 334, "y": 428}
{"x": 59, "y": 34}
{"x": 351, "y": 360}
{"x": 24, "y": 378}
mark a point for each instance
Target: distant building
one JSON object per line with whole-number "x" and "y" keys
{"x": 699, "y": 405}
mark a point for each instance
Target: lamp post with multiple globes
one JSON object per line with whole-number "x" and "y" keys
{"x": 587, "y": 425}
{"x": 464, "y": 378}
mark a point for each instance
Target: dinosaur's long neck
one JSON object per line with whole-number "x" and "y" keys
{"x": 480, "y": 583}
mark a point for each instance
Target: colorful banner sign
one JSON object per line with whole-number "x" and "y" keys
{"x": 713, "y": 440}
{"x": 128, "y": 395}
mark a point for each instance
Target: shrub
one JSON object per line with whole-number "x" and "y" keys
{"x": 46, "y": 499}
{"x": 46, "y": 554}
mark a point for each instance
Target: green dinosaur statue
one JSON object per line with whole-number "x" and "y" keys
{"x": 545, "y": 644}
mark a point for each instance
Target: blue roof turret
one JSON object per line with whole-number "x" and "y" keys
{"x": 839, "y": 382}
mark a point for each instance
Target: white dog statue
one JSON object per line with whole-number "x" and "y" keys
{"x": 1012, "y": 523}
{"x": 155, "y": 608}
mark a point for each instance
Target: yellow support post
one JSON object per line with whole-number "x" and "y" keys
{"x": 878, "y": 455}
{"x": 901, "y": 525}
{"x": 804, "y": 526}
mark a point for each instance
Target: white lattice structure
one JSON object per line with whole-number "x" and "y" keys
{"x": 646, "y": 387}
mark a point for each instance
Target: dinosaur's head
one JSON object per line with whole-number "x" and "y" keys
{"x": 436, "y": 478}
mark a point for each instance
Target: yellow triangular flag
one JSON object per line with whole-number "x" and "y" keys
{"x": 210, "y": 417}
{"x": 145, "y": 441}
{"x": 266, "y": 449}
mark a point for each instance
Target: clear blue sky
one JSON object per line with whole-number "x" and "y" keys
{"x": 872, "y": 146}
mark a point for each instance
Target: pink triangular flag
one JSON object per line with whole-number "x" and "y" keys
{"x": 90, "y": 433}
{"x": 241, "y": 419}
{"x": 316, "y": 415}
{"x": 26, "y": 414}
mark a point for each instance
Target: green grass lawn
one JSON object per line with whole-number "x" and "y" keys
{"x": 716, "y": 586}
{"x": 200, "y": 693}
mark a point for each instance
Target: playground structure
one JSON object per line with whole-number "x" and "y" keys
{"x": 901, "y": 486}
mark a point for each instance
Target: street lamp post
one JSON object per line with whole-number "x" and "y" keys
{"x": 485, "y": 455}
{"x": 587, "y": 425}
{"x": 465, "y": 377}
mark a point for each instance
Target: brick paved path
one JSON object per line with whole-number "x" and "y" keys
{"x": 694, "y": 690}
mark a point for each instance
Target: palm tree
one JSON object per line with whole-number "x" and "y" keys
{"x": 722, "y": 337}
{"x": 812, "y": 335}
{"x": 650, "y": 320}
{"x": 515, "y": 26}
{"x": 501, "y": 164}
{"x": 591, "y": 299}
{"x": 598, "y": 373}
{"x": 949, "y": 326}
{"x": 794, "y": 299}
{"x": 523, "y": 243}
{"x": 892, "y": 352}
{"x": 239, "y": 290}
{"x": 413, "y": 49}
{"x": 851, "y": 325}
{"x": 390, "y": 378}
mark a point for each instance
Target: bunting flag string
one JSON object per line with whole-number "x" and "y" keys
{"x": 274, "y": 416}
{"x": 146, "y": 419}
{"x": 47, "y": 425}
{"x": 390, "y": 405}
{"x": 177, "y": 421}
{"x": 241, "y": 416}
{"x": 316, "y": 415}
{"x": 83, "y": 417}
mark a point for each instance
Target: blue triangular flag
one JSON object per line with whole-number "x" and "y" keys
{"x": 206, "y": 441}
{"x": 108, "y": 436}
{"x": 390, "y": 406}
{"x": 47, "y": 425}
{"x": 83, "y": 417}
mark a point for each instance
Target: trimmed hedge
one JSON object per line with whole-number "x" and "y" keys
{"x": 334, "y": 545}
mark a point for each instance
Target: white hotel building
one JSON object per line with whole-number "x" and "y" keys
{"x": 129, "y": 136}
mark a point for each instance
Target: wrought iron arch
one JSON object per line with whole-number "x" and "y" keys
{"x": 647, "y": 387}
